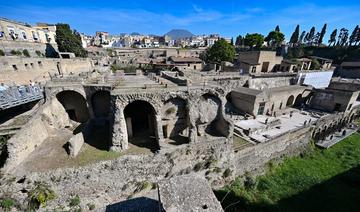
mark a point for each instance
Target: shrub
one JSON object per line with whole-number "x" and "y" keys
{"x": 198, "y": 166}
{"x": 115, "y": 67}
{"x": 26, "y": 53}
{"x": 74, "y": 201}
{"x": 39, "y": 195}
{"x": 91, "y": 206}
{"x": 170, "y": 110}
{"x": 227, "y": 173}
{"x": 144, "y": 185}
{"x": 217, "y": 170}
{"x": 15, "y": 52}
{"x": 7, "y": 203}
{"x": 2, "y": 53}
{"x": 38, "y": 53}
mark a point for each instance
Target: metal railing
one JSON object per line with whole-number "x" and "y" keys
{"x": 17, "y": 95}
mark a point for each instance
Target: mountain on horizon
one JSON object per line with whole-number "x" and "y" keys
{"x": 179, "y": 34}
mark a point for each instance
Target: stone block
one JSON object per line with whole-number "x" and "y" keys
{"x": 75, "y": 143}
{"x": 188, "y": 193}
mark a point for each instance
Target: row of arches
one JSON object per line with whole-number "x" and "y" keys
{"x": 77, "y": 106}
{"x": 321, "y": 133}
{"x": 145, "y": 125}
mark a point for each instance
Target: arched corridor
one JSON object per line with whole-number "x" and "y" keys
{"x": 298, "y": 101}
{"x": 290, "y": 101}
{"x": 75, "y": 105}
{"x": 141, "y": 124}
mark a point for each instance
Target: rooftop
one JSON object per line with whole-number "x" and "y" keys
{"x": 186, "y": 60}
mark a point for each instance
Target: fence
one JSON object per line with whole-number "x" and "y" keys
{"x": 18, "y": 95}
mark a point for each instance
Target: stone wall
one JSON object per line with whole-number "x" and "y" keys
{"x": 255, "y": 158}
{"x": 22, "y": 69}
{"x": 50, "y": 117}
{"x": 112, "y": 181}
{"x": 44, "y": 49}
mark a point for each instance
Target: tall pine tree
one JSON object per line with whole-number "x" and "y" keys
{"x": 333, "y": 38}
{"x": 322, "y": 33}
{"x": 295, "y": 35}
{"x": 277, "y": 28}
{"x": 354, "y": 35}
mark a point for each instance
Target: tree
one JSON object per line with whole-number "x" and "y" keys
{"x": 333, "y": 37}
{"x": 275, "y": 38}
{"x": 69, "y": 41}
{"x": 302, "y": 36}
{"x": 220, "y": 51}
{"x": 343, "y": 37}
{"x": 277, "y": 28}
{"x": 254, "y": 40}
{"x": 232, "y": 41}
{"x": 322, "y": 34}
{"x": 311, "y": 36}
{"x": 295, "y": 35}
{"x": 239, "y": 41}
{"x": 354, "y": 35}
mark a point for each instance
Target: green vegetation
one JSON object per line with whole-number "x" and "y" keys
{"x": 7, "y": 204}
{"x": 170, "y": 110}
{"x": 26, "y": 53}
{"x": 69, "y": 41}
{"x": 16, "y": 52}
{"x": 144, "y": 185}
{"x": 75, "y": 201}
{"x": 2, "y": 53}
{"x": 40, "y": 195}
{"x": 254, "y": 40}
{"x": 38, "y": 53}
{"x": 275, "y": 38}
{"x": 220, "y": 51}
{"x": 322, "y": 180}
{"x": 91, "y": 206}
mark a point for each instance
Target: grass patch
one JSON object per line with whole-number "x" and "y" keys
{"x": 91, "y": 154}
{"x": 324, "y": 180}
{"x": 40, "y": 195}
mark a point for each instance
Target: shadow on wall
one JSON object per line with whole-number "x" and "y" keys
{"x": 136, "y": 204}
{"x": 50, "y": 51}
{"x": 340, "y": 193}
{"x": 217, "y": 125}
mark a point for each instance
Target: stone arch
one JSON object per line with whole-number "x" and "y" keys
{"x": 298, "y": 100}
{"x": 175, "y": 119}
{"x": 100, "y": 102}
{"x": 210, "y": 118}
{"x": 141, "y": 124}
{"x": 290, "y": 101}
{"x": 74, "y": 104}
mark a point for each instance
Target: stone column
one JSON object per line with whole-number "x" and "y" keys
{"x": 158, "y": 129}
{"x": 192, "y": 122}
{"x": 119, "y": 130}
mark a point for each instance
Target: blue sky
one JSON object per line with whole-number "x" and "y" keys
{"x": 228, "y": 18}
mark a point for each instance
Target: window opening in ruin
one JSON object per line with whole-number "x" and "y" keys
{"x": 337, "y": 107}
{"x": 261, "y": 108}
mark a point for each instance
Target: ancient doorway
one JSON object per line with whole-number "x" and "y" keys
{"x": 75, "y": 105}
{"x": 298, "y": 101}
{"x": 290, "y": 101}
{"x": 141, "y": 124}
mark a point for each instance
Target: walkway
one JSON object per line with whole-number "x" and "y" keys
{"x": 19, "y": 95}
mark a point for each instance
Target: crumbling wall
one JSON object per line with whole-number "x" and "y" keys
{"x": 254, "y": 159}
{"x": 49, "y": 117}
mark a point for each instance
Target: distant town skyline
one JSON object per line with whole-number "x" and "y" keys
{"x": 199, "y": 17}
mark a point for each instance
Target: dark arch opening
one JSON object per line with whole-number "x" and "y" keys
{"x": 75, "y": 105}
{"x": 298, "y": 101}
{"x": 175, "y": 121}
{"x": 290, "y": 101}
{"x": 141, "y": 124}
{"x": 101, "y": 104}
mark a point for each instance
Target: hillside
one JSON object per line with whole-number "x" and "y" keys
{"x": 179, "y": 33}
